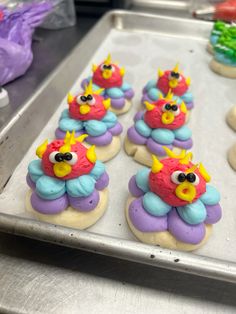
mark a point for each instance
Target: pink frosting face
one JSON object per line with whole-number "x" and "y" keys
{"x": 173, "y": 81}
{"x": 73, "y": 162}
{"x": 165, "y": 114}
{"x": 89, "y": 107}
{"x": 177, "y": 184}
{"x": 107, "y": 76}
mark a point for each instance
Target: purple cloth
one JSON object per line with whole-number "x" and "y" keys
{"x": 102, "y": 182}
{"x": 85, "y": 204}
{"x": 214, "y": 213}
{"x": 16, "y": 31}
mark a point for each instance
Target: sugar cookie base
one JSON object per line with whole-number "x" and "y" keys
{"x": 231, "y": 118}
{"x": 123, "y": 110}
{"x": 232, "y": 157}
{"x": 141, "y": 153}
{"x": 164, "y": 238}
{"x": 71, "y": 217}
{"x": 223, "y": 69}
{"x": 209, "y": 48}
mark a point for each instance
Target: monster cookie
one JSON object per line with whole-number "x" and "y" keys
{"x": 88, "y": 114}
{"x": 218, "y": 28}
{"x": 231, "y": 118}
{"x": 172, "y": 205}
{"x": 161, "y": 124}
{"x": 109, "y": 76}
{"x": 68, "y": 186}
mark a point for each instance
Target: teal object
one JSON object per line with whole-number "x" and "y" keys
{"x": 211, "y": 196}
{"x": 154, "y": 205}
{"x": 125, "y": 86}
{"x": 154, "y": 93}
{"x": 50, "y": 188}
{"x": 141, "y": 179}
{"x": 80, "y": 187}
{"x": 65, "y": 114}
{"x": 110, "y": 119}
{"x": 95, "y": 128}
{"x": 114, "y": 92}
{"x": 35, "y": 170}
{"x": 96, "y": 87}
{"x": 67, "y": 124}
{"x": 142, "y": 128}
{"x": 163, "y": 136}
{"x": 97, "y": 170}
{"x": 194, "y": 213}
{"x": 187, "y": 97}
{"x": 183, "y": 133}
{"x": 150, "y": 84}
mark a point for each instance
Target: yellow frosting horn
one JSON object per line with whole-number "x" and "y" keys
{"x": 160, "y": 96}
{"x": 188, "y": 81}
{"x": 107, "y": 103}
{"x": 171, "y": 154}
{"x": 160, "y": 73}
{"x": 122, "y": 71}
{"x": 98, "y": 91}
{"x": 91, "y": 155}
{"x": 204, "y": 173}
{"x": 89, "y": 88}
{"x": 156, "y": 165}
{"x": 187, "y": 158}
{"x": 149, "y": 106}
{"x": 70, "y": 98}
{"x": 176, "y": 68}
{"x": 41, "y": 149}
{"x": 108, "y": 60}
{"x": 183, "y": 107}
{"x": 94, "y": 67}
{"x": 81, "y": 138}
{"x": 169, "y": 95}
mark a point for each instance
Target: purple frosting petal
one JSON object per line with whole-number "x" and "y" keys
{"x": 49, "y": 207}
{"x": 84, "y": 83}
{"x": 61, "y": 134}
{"x": 138, "y": 115}
{"x": 184, "y": 232}
{"x": 214, "y": 213}
{"x": 118, "y": 103}
{"x": 134, "y": 189}
{"x": 30, "y": 182}
{"x": 116, "y": 129}
{"x": 143, "y": 221}
{"x": 146, "y": 98}
{"x": 100, "y": 140}
{"x": 135, "y": 137}
{"x": 129, "y": 94}
{"x": 183, "y": 144}
{"x": 189, "y": 105}
{"x": 102, "y": 182}
{"x": 156, "y": 148}
{"x": 85, "y": 204}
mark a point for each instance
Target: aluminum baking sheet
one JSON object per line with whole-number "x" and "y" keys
{"x": 142, "y": 43}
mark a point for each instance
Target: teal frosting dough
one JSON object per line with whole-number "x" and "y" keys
{"x": 125, "y": 86}
{"x": 68, "y": 124}
{"x": 183, "y": 133}
{"x": 114, "y": 92}
{"x": 97, "y": 170}
{"x": 187, "y": 97}
{"x": 163, "y": 136}
{"x": 35, "y": 170}
{"x": 142, "y": 128}
{"x": 50, "y": 188}
{"x": 194, "y": 213}
{"x": 141, "y": 179}
{"x": 95, "y": 127}
{"x": 80, "y": 187}
{"x": 211, "y": 196}
{"x": 154, "y": 205}
{"x": 110, "y": 119}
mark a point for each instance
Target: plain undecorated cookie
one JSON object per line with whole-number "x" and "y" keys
{"x": 231, "y": 118}
{"x": 223, "y": 69}
{"x": 70, "y": 217}
{"x": 232, "y": 156}
{"x": 164, "y": 238}
{"x": 123, "y": 110}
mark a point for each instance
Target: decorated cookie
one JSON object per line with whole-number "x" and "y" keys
{"x": 68, "y": 185}
{"x": 167, "y": 80}
{"x": 109, "y": 76}
{"x": 232, "y": 156}
{"x": 231, "y": 118}
{"x": 172, "y": 205}
{"x": 218, "y": 28}
{"x": 88, "y": 114}
{"x": 161, "y": 124}
{"x": 224, "y": 60}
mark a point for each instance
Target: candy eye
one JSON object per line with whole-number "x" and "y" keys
{"x": 192, "y": 178}
{"x": 90, "y": 100}
{"x": 166, "y": 107}
{"x": 178, "y": 177}
{"x": 55, "y": 157}
{"x": 81, "y": 99}
{"x": 174, "y": 75}
{"x": 175, "y": 110}
{"x": 106, "y": 67}
{"x": 71, "y": 158}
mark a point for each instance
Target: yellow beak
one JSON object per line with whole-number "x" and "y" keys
{"x": 167, "y": 117}
{"x": 173, "y": 83}
{"x": 83, "y": 109}
{"x": 61, "y": 169}
{"x": 185, "y": 191}
{"x": 106, "y": 74}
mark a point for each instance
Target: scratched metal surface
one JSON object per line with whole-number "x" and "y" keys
{"x": 152, "y": 42}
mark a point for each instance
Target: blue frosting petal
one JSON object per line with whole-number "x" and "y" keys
{"x": 50, "y": 188}
{"x": 150, "y": 84}
{"x": 67, "y": 124}
{"x": 95, "y": 128}
{"x": 163, "y": 136}
{"x": 194, "y": 213}
{"x": 65, "y": 114}
{"x": 114, "y": 92}
{"x": 142, "y": 128}
{"x": 183, "y": 133}
{"x": 141, "y": 179}
{"x": 97, "y": 170}
{"x": 154, "y": 93}
{"x": 222, "y": 58}
{"x": 80, "y": 187}
{"x": 154, "y": 205}
{"x": 125, "y": 86}
{"x": 187, "y": 97}
{"x": 214, "y": 39}
{"x": 110, "y": 119}
{"x": 211, "y": 196}
{"x": 177, "y": 99}
{"x": 35, "y": 170}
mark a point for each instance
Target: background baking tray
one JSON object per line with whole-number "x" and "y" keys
{"x": 142, "y": 43}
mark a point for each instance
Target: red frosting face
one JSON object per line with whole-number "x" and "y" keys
{"x": 66, "y": 161}
{"x": 107, "y": 75}
{"x": 87, "y": 107}
{"x": 177, "y": 184}
{"x": 165, "y": 114}
{"x": 174, "y": 81}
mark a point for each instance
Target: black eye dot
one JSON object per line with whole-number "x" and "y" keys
{"x": 109, "y": 67}
{"x": 174, "y": 107}
{"x": 174, "y": 74}
{"x": 89, "y": 97}
{"x": 59, "y": 157}
{"x": 181, "y": 177}
{"x": 168, "y": 107}
{"x": 191, "y": 177}
{"x": 83, "y": 98}
{"x": 68, "y": 156}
